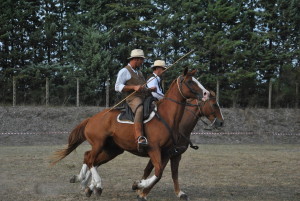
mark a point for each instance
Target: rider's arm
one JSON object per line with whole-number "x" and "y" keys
{"x": 122, "y": 78}
{"x": 153, "y": 82}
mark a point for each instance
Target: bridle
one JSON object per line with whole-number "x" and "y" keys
{"x": 180, "y": 81}
{"x": 200, "y": 105}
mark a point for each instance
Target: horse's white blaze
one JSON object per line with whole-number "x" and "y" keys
{"x": 96, "y": 177}
{"x": 144, "y": 183}
{"x": 205, "y": 92}
{"x": 198, "y": 83}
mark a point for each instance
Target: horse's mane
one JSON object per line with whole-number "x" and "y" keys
{"x": 161, "y": 100}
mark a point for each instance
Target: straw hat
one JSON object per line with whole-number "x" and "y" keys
{"x": 159, "y": 63}
{"x": 137, "y": 53}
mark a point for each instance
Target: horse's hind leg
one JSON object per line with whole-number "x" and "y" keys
{"x": 83, "y": 174}
{"x": 106, "y": 155}
{"x": 90, "y": 159}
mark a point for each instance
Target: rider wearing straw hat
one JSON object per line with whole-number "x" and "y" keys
{"x": 155, "y": 79}
{"x": 130, "y": 79}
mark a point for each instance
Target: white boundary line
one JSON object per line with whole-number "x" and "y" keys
{"x": 194, "y": 133}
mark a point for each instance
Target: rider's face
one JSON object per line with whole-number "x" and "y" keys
{"x": 139, "y": 61}
{"x": 159, "y": 70}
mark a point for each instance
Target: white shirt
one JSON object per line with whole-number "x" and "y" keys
{"x": 123, "y": 77}
{"x": 154, "y": 82}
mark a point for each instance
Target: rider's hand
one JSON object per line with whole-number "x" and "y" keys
{"x": 153, "y": 89}
{"x": 138, "y": 88}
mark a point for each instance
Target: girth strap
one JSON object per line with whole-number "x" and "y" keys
{"x": 167, "y": 126}
{"x": 190, "y": 142}
{"x": 171, "y": 133}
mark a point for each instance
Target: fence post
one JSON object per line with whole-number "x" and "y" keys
{"x": 47, "y": 92}
{"x": 77, "y": 94}
{"x": 297, "y": 95}
{"x": 14, "y": 92}
{"x": 270, "y": 94}
{"x": 107, "y": 92}
{"x": 218, "y": 90}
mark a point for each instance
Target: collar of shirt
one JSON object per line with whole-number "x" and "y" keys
{"x": 156, "y": 76}
{"x": 133, "y": 69}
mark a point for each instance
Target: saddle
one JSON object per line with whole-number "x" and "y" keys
{"x": 127, "y": 116}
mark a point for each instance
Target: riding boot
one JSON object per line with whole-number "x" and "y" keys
{"x": 142, "y": 141}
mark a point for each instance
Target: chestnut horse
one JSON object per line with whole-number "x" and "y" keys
{"x": 109, "y": 138}
{"x": 193, "y": 111}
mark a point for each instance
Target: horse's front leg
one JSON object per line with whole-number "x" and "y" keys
{"x": 174, "y": 169}
{"x": 147, "y": 171}
{"x": 145, "y": 191}
{"x": 155, "y": 156}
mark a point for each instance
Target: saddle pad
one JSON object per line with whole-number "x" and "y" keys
{"x": 152, "y": 114}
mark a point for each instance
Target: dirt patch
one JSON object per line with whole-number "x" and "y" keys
{"x": 214, "y": 172}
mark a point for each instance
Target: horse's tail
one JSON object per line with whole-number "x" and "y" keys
{"x": 75, "y": 139}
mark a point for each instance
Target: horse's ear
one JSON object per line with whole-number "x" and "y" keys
{"x": 185, "y": 71}
{"x": 212, "y": 93}
{"x": 193, "y": 72}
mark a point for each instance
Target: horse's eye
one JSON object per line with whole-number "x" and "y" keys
{"x": 190, "y": 82}
{"x": 215, "y": 105}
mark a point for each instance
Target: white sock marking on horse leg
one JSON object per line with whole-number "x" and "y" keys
{"x": 180, "y": 194}
{"x": 85, "y": 181}
{"x": 147, "y": 182}
{"x": 96, "y": 177}
{"x": 82, "y": 173}
{"x": 93, "y": 183}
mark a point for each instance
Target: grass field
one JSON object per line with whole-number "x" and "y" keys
{"x": 214, "y": 172}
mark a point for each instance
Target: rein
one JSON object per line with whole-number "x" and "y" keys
{"x": 179, "y": 86}
{"x": 200, "y": 106}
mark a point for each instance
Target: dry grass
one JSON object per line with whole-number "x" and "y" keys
{"x": 214, "y": 172}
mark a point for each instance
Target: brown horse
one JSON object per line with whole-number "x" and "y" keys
{"x": 195, "y": 110}
{"x": 109, "y": 138}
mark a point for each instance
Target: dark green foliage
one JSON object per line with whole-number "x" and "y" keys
{"x": 242, "y": 44}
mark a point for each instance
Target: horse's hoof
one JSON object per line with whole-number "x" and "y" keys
{"x": 141, "y": 198}
{"x": 184, "y": 197}
{"x": 98, "y": 191}
{"x": 135, "y": 185}
{"x": 73, "y": 179}
{"x": 88, "y": 192}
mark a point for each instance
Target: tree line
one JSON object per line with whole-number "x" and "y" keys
{"x": 243, "y": 45}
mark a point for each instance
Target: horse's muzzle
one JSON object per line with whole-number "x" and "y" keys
{"x": 217, "y": 123}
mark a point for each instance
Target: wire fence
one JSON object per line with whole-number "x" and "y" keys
{"x": 196, "y": 137}
{"x": 76, "y": 92}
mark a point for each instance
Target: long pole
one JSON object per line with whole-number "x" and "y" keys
{"x": 150, "y": 80}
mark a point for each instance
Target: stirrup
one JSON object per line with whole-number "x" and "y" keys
{"x": 142, "y": 140}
